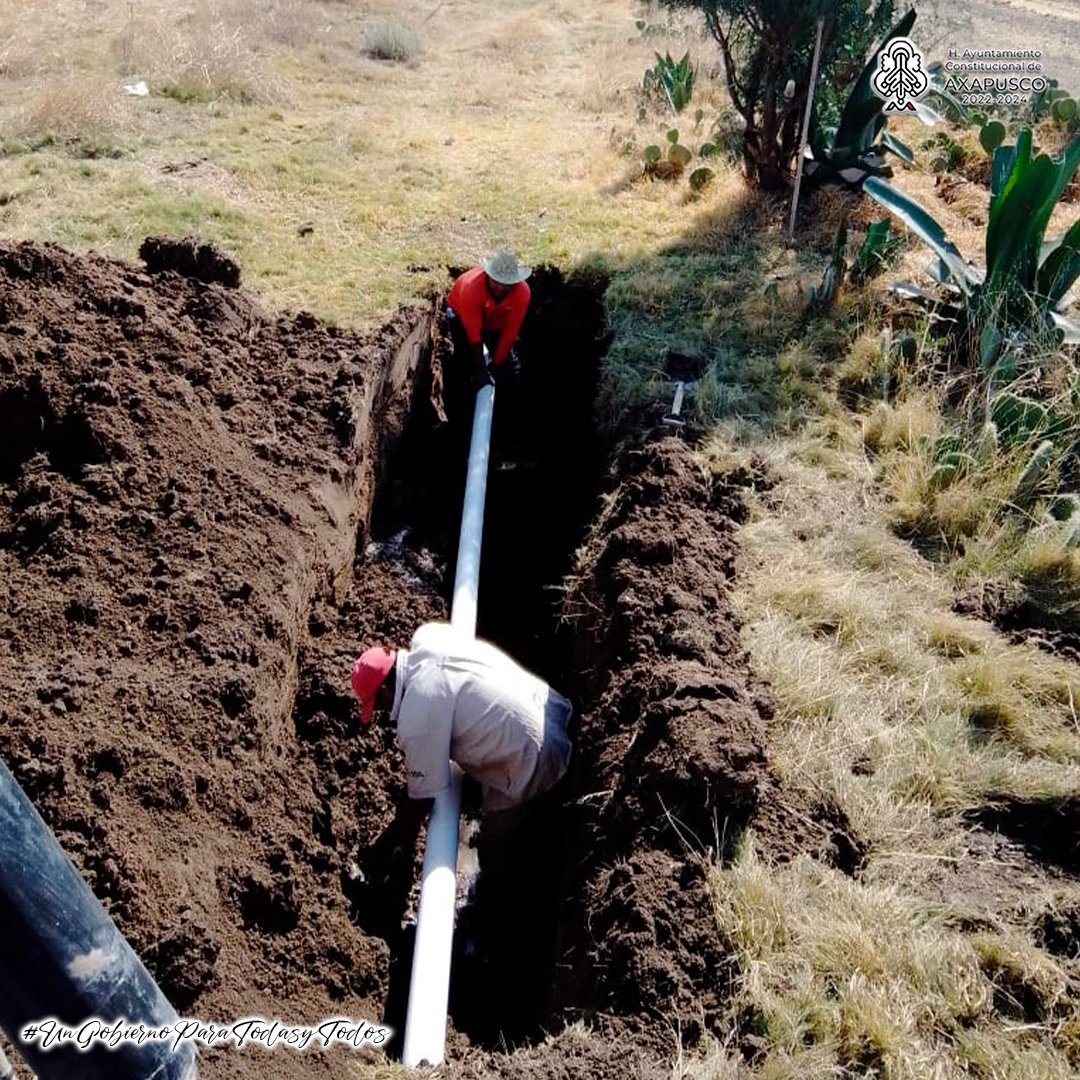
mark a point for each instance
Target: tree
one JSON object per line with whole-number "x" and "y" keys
{"x": 767, "y": 47}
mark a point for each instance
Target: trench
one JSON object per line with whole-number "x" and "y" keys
{"x": 547, "y": 461}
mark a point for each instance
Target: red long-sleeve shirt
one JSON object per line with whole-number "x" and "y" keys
{"x": 495, "y": 322}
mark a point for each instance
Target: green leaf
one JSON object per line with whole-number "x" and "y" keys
{"x": 701, "y": 177}
{"x": 709, "y": 149}
{"x": 679, "y": 155}
{"x": 677, "y": 79}
{"x": 876, "y": 247}
{"x": 1015, "y": 232}
{"x": 1060, "y": 266}
{"x": 1018, "y": 418}
{"x": 652, "y": 153}
{"x": 939, "y": 271}
{"x": 1064, "y": 109}
{"x": 862, "y": 110}
{"x": 901, "y": 150}
{"x": 1018, "y": 161}
{"x": 990, "y": 342}
{"x": 1064, "y": 507}
{"x": 1035, "y": 471}
{"x": 1070, "y": 329}
{"x": 928, "y": 116}
{"x": 924, "y": 226}
{"x": 992, "y": 136}
{"x": 1000, "y": 167}
{"x": 673, "y": 135}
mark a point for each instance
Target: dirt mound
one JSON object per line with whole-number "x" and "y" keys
{"x": 670, "y": 754}
{"x": 189, "y": 258}
{"x": 182, "y": 483}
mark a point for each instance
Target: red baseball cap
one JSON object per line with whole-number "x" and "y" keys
{"x": 368, "y": 674}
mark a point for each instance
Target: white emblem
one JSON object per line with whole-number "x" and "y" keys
{"x": 900, "y": 78}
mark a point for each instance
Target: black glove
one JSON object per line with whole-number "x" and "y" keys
{"x": 481, "y": 377}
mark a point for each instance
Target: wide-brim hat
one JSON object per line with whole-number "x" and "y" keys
{"x": 368, "y": 674}
{"x": 504, "y": 268}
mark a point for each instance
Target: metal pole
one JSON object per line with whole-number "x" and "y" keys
{"x": 429, "y": 984}
{"x": 806, "y": 128}
{"x": 63, "y": 957}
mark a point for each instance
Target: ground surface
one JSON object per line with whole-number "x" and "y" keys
{"x": 184, "y": 603}
{"x": 180, "y": 485}
{"x": 888, "y": 784}
{"x": 1050, "y": 25}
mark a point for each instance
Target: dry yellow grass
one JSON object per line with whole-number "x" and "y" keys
{"x": 907, "y": 717}
{"x": 847, "y": 979}
{"x": 518, "y": 124}
{"x": 495, "y": 134}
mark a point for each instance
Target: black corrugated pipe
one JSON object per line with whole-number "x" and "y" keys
{"x": 62, "y": 956}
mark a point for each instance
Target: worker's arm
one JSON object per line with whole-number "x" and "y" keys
{"x": 519, "y": 301}
{"x": 471, "y": 324}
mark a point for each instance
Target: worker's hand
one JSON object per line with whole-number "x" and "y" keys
{"x": 481, "y": 377}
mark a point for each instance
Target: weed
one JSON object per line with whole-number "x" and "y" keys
{"x": 389, "y": 39}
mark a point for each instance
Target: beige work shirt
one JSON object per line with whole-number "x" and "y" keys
{"x": 463, "y": 700}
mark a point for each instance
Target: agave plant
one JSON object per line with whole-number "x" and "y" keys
{"x": 1024, "y": 289}
{"x": 676, "y": 77}
{"x": 851, "y": 151}
{"x": 856, "y": 147}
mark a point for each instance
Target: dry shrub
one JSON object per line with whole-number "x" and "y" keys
{"x": 390, "y": 39}
{"x": 865, "y": 368}
{"x": 902, "y": 426}
{"x": 1050, "y": 575}
{"x": 206, "y": 53}
{"x": 18, "y": 58}
{"x": 70, "y": 108}
{"x": 283, "y": 22}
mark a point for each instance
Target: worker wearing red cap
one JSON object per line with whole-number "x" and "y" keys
{"x": 454, "y": 698}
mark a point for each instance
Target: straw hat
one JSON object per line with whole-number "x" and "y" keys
{"x": 504, "y": 268}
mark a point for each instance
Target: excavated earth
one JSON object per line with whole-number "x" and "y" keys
{"x": 207, "y": 508}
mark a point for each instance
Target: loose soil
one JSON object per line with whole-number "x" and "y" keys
{"x": 184, "y": 480}
{"x": 206, "y": 509}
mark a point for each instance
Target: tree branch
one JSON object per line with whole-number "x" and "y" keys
{"x": 735, "y": 89}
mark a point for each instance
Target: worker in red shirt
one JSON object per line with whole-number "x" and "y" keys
{"x": 487, "y": 306}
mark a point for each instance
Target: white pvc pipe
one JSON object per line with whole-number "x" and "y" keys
{"x": 429, "y": 985}
{"x": 467, "y": 578}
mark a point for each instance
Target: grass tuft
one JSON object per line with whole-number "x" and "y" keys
{"x": 390, "y": 39}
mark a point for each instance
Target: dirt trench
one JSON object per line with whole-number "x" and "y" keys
{"x": 206, "y": 510}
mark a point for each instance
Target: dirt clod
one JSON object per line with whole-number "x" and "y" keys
{"x": 191, "y": 259}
